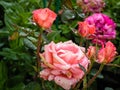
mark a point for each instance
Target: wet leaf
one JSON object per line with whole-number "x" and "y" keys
{"x": 67, "y": 15}
{"x": 29, "y": 44}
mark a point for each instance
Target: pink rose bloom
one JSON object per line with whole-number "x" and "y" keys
{"x": 106, "y": 54}
{"x": 91, "y": 51}
{"x": 105, "y": 28}
{"x": 61, "y": 63}
{"x": 44, "y": 17}
{"x": 85, "y": 29}
{"x": 94, "y": 6}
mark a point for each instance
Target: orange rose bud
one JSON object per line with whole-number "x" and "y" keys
{"x": 107, "y": 53}
{"x": 44, "y": 17}
{"x": 91, "y": 51}
{"x": 85, "y": 29}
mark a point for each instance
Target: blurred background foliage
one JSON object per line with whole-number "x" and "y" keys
{"x": 18, "y": 41}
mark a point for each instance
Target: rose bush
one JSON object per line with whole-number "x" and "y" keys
{"x": 61, "y": 63}
{"x": 24, "y": 53}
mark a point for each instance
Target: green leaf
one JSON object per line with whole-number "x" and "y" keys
{"x": 53, "y": 35}
{"x": 65, "y": 29}
{"x": 9, "y": 54}
{"x": 19, "y": 86}
{"x": 4, "y": 32}
{"x": 1, "y": 23}
{"x": 108, "y": 88}
{"x": 6, "y": 4}
{"x": 80, "y": 14}
{"x": 8, "y": 23}
{"x": 1, "y": 44}
{"x": 16, "y": 80}
{"x": 3, "y": 74}
{"x": 32, "y": 39}
{"x": 67, "y": 15}
{"x": 29, "y": 44}
{"x": 33, "y": 86}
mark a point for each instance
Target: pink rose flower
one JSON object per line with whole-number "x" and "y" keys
{"x": 44, "y": 17}
{"x": 106, "y": 54}
{"x": 85, "y": 29}
{"x": 91, "y": 51}
{"x": 61, "y": 63}
{"x": 105, "y": 28}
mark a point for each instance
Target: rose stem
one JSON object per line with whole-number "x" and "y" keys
{"x": 93, "y": 78}
{"x": 49, "y": 3}
{"x": 114, "y": 65}
{"x": 38, "y": 50}
{"x": 85, "y": 83}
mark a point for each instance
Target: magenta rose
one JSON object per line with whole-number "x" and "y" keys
{"x": 61, "y": 63}
{"x": 105, "y": 28}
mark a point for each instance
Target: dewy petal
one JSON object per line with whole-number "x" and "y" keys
{"x": 91, "y": 51}
{"x": 45, "y": 73}
{"x": 67, "y": 47}
{"x": 110, "y": 50}
{"x": 68, "y": 56}
{"x": 48, "y": 54}
{"x": 43, "y": 14}
{"x": 65, "y": 82}
{"x": 62, "y": 66}
{"x": 51, "y": 77}
{"x": 77, "y": 72}
{"x": 101, "y": 55}
{"x": 58, "y": 59}
{"x": 56, "y": 72}
{"x": 47, "y": 24}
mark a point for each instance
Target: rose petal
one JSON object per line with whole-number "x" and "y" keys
{"x": 65, "y": 82}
